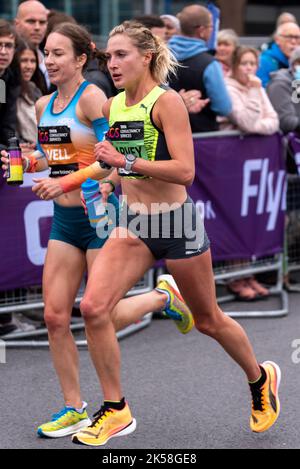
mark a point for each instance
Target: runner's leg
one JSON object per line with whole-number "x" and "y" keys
{"x": 62, "y": 275}
{"x": 132, "y": 309}
{"x": 194, "y": 277}
{"x": 118, "y": 267}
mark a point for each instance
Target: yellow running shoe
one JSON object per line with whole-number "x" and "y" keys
{"x": 66, "y": 422}
{"x": 108, "y": 423}
{"x": 175, "y": 308}
{"x": 265, "y": 400}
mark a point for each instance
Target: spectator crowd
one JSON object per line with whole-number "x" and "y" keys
{"x": 234, "y": 87}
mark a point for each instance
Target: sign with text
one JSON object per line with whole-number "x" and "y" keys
{"x": 239, "y": 190}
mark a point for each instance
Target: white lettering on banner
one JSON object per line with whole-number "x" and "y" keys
{"x": 263, "y": 187}
{"x": 248, "y": 190}
{"x": 270, "y": 194}
{"x": 283, "y": 200}
{"x": 28, "y": 182}
{"x": 209, "y": 211}
{"x": 32, "y": 214}
{"x": 206, "y": 210}
{"x": 274, "y": 198}
{"x": 297, "y": 160}
{"x": 58, "y": 154}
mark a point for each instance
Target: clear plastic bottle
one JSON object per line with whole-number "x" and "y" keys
{"x": 95, "y": 208}
{"x": 102, "y": 217}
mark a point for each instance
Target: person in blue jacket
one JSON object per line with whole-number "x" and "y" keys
{"x": 276, "y": 56}
{"x": 200, "y": 70}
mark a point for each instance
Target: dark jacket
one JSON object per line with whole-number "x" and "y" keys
{"x": 99, "y": 78}
{"x": 202, "y": 72}
{"x": 8, "y": 110}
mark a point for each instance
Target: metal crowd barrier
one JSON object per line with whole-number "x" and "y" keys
{"x": 230, "y": 270}
{"x": 292, "y": 235}
{"x": 30, "y": 299}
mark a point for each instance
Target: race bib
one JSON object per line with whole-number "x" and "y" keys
{"x": 128, "y": 138}
{"x": 57, "y": 145}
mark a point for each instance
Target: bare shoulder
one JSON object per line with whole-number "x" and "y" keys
{"x": 91, "y": 102}
{"x": 169, "y": 98}
{"x": 106, "y": 108}
{"x": 41, "y": 104}
{"x": 92, "y": 93}
{"x": 169, "y": 104}
{"x": 170, "y": 101}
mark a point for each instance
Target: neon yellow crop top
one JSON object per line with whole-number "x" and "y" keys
{"x": 132, "y": 130}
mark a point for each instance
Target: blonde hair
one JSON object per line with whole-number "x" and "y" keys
{"x": 163, "y": 62}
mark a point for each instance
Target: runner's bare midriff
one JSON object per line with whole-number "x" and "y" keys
{"x": 71, "y": 199}
{"x": 153, "y": 191}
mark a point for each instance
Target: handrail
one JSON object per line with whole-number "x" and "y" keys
{"x": 220, "y": 133}
{"x": 231, "y": 133}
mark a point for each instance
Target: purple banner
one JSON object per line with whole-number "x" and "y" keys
{"x": 239, "y": 189}
{"x": 25, "y": 228}
{"x": 294, "y": 147}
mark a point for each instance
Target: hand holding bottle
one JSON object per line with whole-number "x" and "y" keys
{"x": 5, "y": 161}
{"x": 102, "y": 208}
{"x": 13, "y": 162}
{"x": 93, "y": 203}
{"x": 105, "y": 189}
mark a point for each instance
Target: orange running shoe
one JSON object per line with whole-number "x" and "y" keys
{"x": 265, "y": 400}
{"x": 108, "y": 423}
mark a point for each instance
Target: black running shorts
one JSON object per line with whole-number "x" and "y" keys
{"x": 175, "y": 234}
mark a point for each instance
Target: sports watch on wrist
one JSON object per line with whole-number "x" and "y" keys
{"x": 129, "y": 161}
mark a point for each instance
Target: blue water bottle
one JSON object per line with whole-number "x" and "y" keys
{"x": 95, "y": 207}
{"x": 102, "y": 217}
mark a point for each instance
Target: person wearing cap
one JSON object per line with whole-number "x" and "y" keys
{"x": 284, "y": 94}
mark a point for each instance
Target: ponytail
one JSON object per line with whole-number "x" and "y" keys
{"x": 99, "y": 55}
{"x": 163, "y": 62}
{"x": 82, "y": 42}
